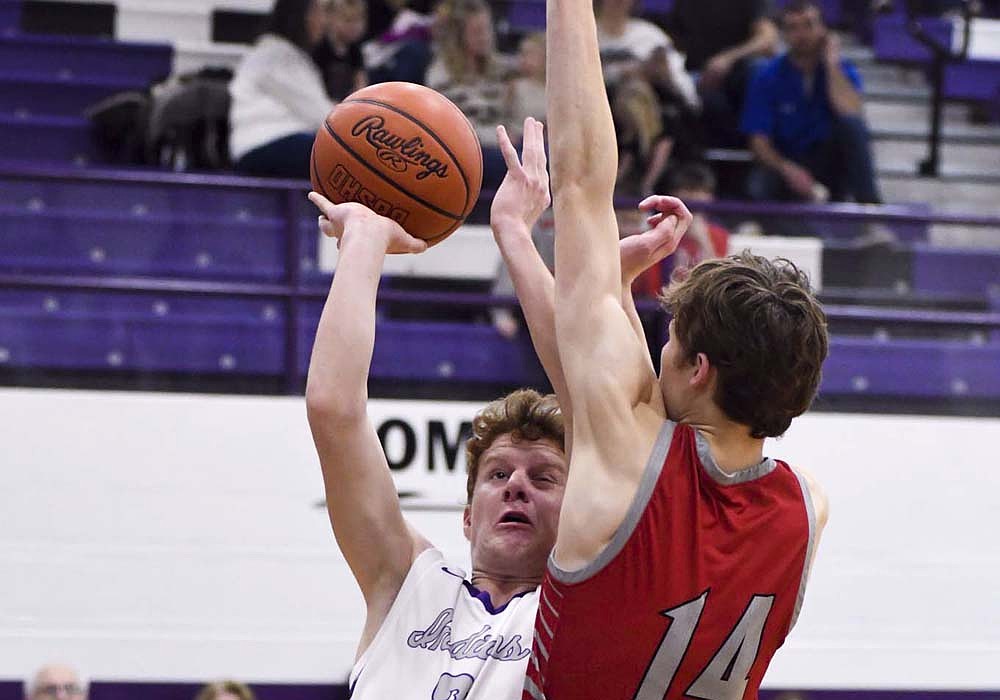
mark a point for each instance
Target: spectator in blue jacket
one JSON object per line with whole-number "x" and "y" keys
{"x": 804, "y": 121}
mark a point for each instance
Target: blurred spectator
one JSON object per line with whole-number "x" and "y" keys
{"x": 382, "y": 14}
{"x": 527, "y": 87}
{"x": 225, "y": 690}
{"x": 705, "y": 239}
{"x": 400, "y": 48}
{"x": 339, "y": 52}
{"x": 723, "y": 41}
{"x": 803, "y": 117}
{"x": 653, "y": 99}
{"x": 468, "y": 70}
{"x": 279, "y": 99}
{"x": 56, "y": 682}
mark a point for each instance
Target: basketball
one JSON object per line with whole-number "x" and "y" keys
{"x": 406, "y": 152}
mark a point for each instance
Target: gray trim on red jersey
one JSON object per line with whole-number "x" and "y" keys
{"x": 654, "y": 466}
{"x": 811, "y": 516}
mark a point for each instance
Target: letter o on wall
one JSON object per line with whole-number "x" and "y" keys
{"x": 409, "y": 438}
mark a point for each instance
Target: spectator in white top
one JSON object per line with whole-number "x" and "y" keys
{"x": 279, "y": 99}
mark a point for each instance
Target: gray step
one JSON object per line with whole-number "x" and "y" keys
{"x": 953, "y": 133}
{"x": 893, "y": 115}
{"x": 944, "y": 195}
{"x": 955, "y": 157}
{"x": 895, "y": 93}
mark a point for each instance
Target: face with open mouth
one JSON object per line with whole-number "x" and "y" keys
{"x": 512, "y": 520}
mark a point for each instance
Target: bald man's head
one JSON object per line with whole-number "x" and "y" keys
{"x": 56, "y": 682}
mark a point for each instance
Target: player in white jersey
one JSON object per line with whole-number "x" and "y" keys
{"x": 431, "y": 632}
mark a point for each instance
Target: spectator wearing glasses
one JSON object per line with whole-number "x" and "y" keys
{"x": 56, "y": 682}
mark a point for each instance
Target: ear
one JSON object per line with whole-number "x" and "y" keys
{"x": 703, "y": 371}
{"x": 467, "y": 522}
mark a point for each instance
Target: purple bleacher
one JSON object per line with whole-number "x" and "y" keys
{"x": 27, "y": 93}
{"x": 969, "y": 271}
{"x": 134, "y": 244}
{"x": 151, "y": 192}
{"x": 137, "y": 222}
{"x": 892, "y": 40}
{"x": 10, "y": 16}
{"x": 526, "y": 15}
{"x": 912, "y": 368}
{"x": 437, "y": 351}
{"x": 973, "y": 79}
{"x": 46, "y": 138}
{"x": 101, "y": 331}
{"x": 79, "y": 57}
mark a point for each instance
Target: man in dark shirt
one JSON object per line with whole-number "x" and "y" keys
{"x": 803, "y": 118}
{"x": 723, "y": 40}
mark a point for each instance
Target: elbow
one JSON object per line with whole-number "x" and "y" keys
{"x": 326, "y": 405}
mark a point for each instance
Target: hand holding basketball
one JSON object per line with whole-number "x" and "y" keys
{"x": 524, "y": 193}
{"x": 337, "y": 219}
{"x": 405, "y": 152}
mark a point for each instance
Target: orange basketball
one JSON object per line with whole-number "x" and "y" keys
{"x": 404, "y": 151}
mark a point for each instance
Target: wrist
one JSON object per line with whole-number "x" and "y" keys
{"x": 366, "y": 237}
{"x": 512, "y": 229}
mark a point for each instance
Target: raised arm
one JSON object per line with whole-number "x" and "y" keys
{"x": 603, "y": 356}
{"x": 361, "y": 498}
{"x": 522, "y": 197}
{"x": 617, "y": 404}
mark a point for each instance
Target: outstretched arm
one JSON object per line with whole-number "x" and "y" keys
{"x": 617, "y": 404}
{"x": 361, "y": 498}
{"x": 522, "y": 197}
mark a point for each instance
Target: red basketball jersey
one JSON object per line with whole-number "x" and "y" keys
{"x": 693, "y": 595}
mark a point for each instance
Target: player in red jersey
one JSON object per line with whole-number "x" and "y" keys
{"x": 682, "y": 552}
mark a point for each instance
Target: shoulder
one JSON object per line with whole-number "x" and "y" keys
{"x": 818, "y": 497}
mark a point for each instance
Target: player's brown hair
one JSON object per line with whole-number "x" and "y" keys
{"x": 524, "y": 415}
{"x": 760, "y": 326}
{"x": 214, "y": 690}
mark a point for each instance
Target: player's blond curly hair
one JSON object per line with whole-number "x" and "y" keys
{"x": 524, "y": 415}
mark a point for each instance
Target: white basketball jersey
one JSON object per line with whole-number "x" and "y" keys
{"x": 443, "y": 640}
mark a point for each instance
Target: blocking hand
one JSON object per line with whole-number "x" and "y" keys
{"x": 524, "y": 193}
{"x": 669, "y": 219}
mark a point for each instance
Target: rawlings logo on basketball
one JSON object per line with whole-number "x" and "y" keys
{"x": 393, "y": 160}
{"x": 399, "y": 152}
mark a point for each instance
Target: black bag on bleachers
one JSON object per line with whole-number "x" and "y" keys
{"x": 119, "y": 124}
{"x": 188, "y": 125}
{"x": 181, "y": 124}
